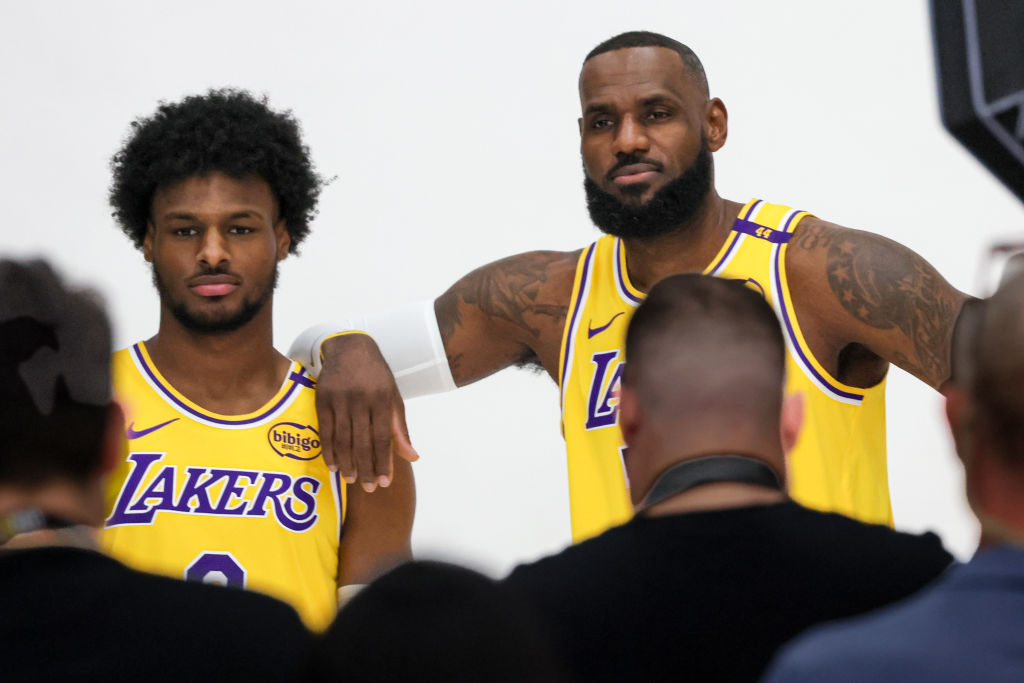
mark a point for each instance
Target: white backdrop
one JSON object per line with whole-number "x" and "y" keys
{"x": 451, "y": 130}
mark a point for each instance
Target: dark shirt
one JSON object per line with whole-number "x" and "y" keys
{"x": 75, "y": 615}
{"x": 711, "y": 595}
{"x": 967, "y": 627}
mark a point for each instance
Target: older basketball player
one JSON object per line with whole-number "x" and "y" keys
{"x": 223, "y": 479}
{"x": 850, "y": 302}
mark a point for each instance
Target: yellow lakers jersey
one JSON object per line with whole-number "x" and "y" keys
{"x": 242, "y": 500}
{"x": 839, "y": 462}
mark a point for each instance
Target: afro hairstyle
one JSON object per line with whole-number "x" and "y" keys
{"x": 225, "y": 130}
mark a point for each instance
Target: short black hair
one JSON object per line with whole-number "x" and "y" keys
{"x": 55, "y": 346}
{"x": 224, "y": 130}
{"x": 696, "y": 333}
{"x": 651, "y": 39}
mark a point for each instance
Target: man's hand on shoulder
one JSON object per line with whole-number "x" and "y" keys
{"x": 360, "y": 412}
{"x": 858, "y": 288}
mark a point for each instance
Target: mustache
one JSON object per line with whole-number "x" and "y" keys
{"x": 213, "y": 270}
{"x": 630, "y": 159}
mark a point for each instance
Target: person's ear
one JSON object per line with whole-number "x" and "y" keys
{"x": 284, "y": 240}
{"x": 113, "y": 440}
{"x": 790, "y": 420}
{"x": 147, "y": 242}
{"x": 716, "y": 124}
{"x": 630, "y": 417}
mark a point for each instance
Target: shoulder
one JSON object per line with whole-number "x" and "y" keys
{"x": 578, "y": 568}
{"x": 215, "y": 610}
{"x": 171, "y": 629}
{"x": 902, "y": 555}
{"x": 552, "y": 271}
{"x": 256, "y": 636}
{"x": 896, "y": 643}
{"x": 815, "y": 241}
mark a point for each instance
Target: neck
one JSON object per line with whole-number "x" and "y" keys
{"x": 231, "y": 373}
{"x": 723, "y": 495}
{"x": 1000, "y": 530}
{"x": 660, "y": 453}
{"x": 689, "y": 440}
{"x": 688, "y": 248}
{"x": 82, "y": 504}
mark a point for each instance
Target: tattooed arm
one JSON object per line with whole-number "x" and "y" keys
{"x": 863, "y": 300}
{"x": 509, "y": 312}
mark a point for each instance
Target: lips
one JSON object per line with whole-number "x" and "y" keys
{"x": 634, "y": 173}
{"x": 213, "y": 285}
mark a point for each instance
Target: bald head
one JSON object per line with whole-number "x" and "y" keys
{"x": 996, "y": 374}
{"x": 707, "y": 347}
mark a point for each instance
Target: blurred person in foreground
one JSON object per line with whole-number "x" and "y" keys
{"x": 452, "y": 624}
{"x": 718, "y": 567}
{"x": 69, "y": 612}
{"x": 969, "y": 625}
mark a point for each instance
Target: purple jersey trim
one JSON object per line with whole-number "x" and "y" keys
{"x": 141, "y": 359}
{"x": 789, "y": 324}
{"x": 735, "y": 238}
{"x": 619, "y": 274}
{"x": 751, "y": 228}
{"x": 302, "y": 379}
{"x": 575, "y": 312}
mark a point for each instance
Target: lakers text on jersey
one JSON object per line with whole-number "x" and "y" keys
{"x": 839, "y": 462}
{"x": 242, "y": 500}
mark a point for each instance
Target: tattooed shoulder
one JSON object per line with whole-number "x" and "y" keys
{"x": 528, "y": 293}
{"x": 886, "y": 286}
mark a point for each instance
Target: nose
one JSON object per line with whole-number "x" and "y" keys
{"x": 631, "y": 137}
{"x": 213, "y": 250}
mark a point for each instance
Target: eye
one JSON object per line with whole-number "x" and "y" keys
{"x": 659, "y": 114}
{"x": 184, "y": 232}
{"x": 240, "y": 230}
{"x": 602, "y": 122}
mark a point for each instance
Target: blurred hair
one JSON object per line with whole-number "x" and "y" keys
{"x": 55, "y": 346}
{"x": 651, "y": 39}
{"x": 431, "y": 621}
{"x": 997, "y": 371}
{"x": 965, "y": 334}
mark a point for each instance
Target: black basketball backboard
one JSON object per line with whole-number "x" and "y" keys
{"x": 979, "y": 48}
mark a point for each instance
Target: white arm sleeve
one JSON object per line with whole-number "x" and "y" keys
{"x": 408, "y": 338}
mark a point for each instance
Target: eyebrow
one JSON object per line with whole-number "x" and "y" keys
{"x": 184, "y": 215}
{"x": 597, "y": 109}
{"x": 660, "y": 98}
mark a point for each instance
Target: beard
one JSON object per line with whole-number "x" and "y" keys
{"x": 671, "y": 208}
{"x": 215, "y": 322}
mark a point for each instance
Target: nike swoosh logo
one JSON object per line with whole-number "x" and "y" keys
{"x": 132, "y": 434}
{"x": 592, "y": 331}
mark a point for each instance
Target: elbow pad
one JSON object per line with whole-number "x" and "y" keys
{"x": 408, "y": 338}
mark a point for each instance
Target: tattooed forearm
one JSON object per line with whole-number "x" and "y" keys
{"x": 887, "y": 286}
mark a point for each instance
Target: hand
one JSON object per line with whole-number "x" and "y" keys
{"x": 361, "y": 413}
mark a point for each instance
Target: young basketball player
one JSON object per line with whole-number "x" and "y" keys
{"x": 223, "y": 479}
